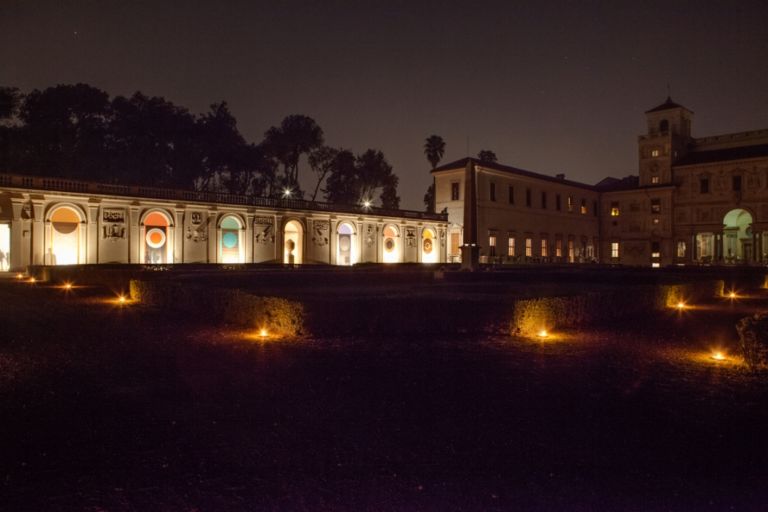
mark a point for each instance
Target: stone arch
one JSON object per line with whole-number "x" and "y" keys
{"x": 430, "y": 246}
{"x": 738, "y": 243}
{"x": 347, "y": 252}
{"x": 65, "y": 235}
{"x": 230, "y": 238}
{"x": 391, "y": 244}
{"x": 156, "y": 246}
{"x": 293, "y": 241}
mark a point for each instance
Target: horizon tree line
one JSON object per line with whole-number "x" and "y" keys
{"x": 79, "y": 132}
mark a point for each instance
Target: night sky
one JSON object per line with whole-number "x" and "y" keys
{"x": 549, "y": 86}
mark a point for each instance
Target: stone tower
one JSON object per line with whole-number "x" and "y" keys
{"x": 667, "y": 140}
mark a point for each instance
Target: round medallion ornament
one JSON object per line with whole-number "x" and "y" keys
{"x": 229, "y": 240}
{"x": 155, "y": 238}
{"x": 427, "y": 245}
{"x": 389, "y": 244}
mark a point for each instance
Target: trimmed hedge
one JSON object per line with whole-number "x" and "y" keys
{"x": 232, "y": 306}
{"x": 531, "y": 315}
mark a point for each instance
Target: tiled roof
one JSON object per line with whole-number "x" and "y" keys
{"x": 723, "y": 155}
{"x": 460, "y": 164}
{"x": 667, "y": 105}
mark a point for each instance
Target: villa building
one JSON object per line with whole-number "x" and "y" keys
{"x": 695, "y": 201}
{"x": 52, "y": 221}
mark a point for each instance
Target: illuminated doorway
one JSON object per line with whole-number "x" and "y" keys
{"x": 230, "y": 240}
{"x": 346, "y": 248}
{"x": 391, "y": 244}
{"x": 5, "y": 247}
{"x": 428, "y": 246}
{"x": 157, "y": 239}
{"x": 293, "y": 236}
{"x": 737, "y": 236}
{"x": 65, "y": 237}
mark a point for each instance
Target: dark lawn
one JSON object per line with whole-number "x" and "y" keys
{"x": 104, "y": 408}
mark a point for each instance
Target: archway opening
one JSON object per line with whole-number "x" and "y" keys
{"x": 230, "y": 241}
{"x": 428, "y": 246}
{"x": 156, "y": 235}
{"x": 5, "y": 247}
{"x": 346, "y": 253}
{"x": 391, "y": 244}
{"x": 64, "y": 248}
{"x": 737, "y": 236}
{"x": 293, "y": 236}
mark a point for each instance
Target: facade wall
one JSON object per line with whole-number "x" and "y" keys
{"x": 113, "y": 229}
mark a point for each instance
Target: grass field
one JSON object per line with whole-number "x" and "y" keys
{"x": 116, "y": 408}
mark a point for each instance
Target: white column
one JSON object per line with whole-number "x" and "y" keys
{"x": 89, "y": 243}
{"x": 135, "y": 237}
{"x": 38, "y": 232}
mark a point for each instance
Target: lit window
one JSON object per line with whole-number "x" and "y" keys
{"x": 655, "y": 205}
{"x": 681, "y": 249}
{"x": 654, "y": 153}
{"x": 559, "y": 248}
{"x": 529, "y": 247}
{"x": 492, "y": 245}
{"x": 454, "y": 191}
{"x": 570, "y": 204}
{"x": 655, "y": 250}
{"x": 571, "y": 252}
{"x": 544, "y": 252}
{"x": 511, "y": 246}
{"x": 654, "y": 180}
{"x": 614, "y": 209}
{"x": 583, "y": 208}
{"x": 614, "y": 249}
{"x": 655, "y": 220}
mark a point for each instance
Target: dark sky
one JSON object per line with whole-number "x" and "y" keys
{"x": 549, "y": 86}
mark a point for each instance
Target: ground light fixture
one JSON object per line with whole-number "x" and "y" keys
{"x": 542, "y": 333}
{"x": 32, "y": 280}
{"x": 19, "y": 276}
{"x": 287, "y": 192}
{"x": 122, "y": 299}
{"x": 67, "y": 286}
{"x": 718, "y": 356}
{"x": 263, "y": 333}
{"x": 680, "y": 305}
{"x": 367, "y": 204}
{"x": 732, "y": 295}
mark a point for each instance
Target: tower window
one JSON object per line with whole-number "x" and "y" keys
{"x": 655, "y": 180}
{"x": 454, "y": 191}
{"x": 654, "y": 153}
{"x": 493, "y": 191}
{"x": 664, "y": 126}
{"x": 614, "y": 249}
{"x": 583, "y": 209}
{"x": 570, "y": 204}
{"x": 615, "y": 209}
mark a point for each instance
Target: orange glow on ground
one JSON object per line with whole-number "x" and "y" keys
{"x": 542, "y": 333}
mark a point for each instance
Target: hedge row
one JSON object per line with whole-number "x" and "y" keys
{"x": 222, "y": 305}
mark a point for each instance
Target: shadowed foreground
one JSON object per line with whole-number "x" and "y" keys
{"x": 108, "y": 408}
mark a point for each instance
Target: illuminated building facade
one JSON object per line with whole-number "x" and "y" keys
{"x": 695, "y": 201}
{"x": 51, "y": 221}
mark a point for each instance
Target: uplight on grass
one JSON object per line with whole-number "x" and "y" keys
{"x": 66, "y": 286}
{"x": 732, "y": 295}
{"x": 542, "y": 333}
{"x": 32, "y": 280}
{"x": 19, "y": 276}
{"x": 718, "y": 356}
{"x": 263, "y": 333}
{"x": 681, "y": 305}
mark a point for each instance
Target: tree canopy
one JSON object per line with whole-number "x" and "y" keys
{"x": 78, "y": 131}
{"x": 488, "y": 156}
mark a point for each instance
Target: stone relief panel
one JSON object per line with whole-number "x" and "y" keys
{"x": 198, "y": 232}
{"x": 410, "y": 237}
{"x": 370, "y": 235}
{"x": 113, "y": 227}
{"x": 263, "y": 229}
{"x": 320, "y": 229}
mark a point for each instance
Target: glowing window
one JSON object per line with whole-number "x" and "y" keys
{"x": 583, "y": 208}
{"x": 614, "y": 249}
{"x": 681, "y": 249}
{"x": 492, "y": 245}
{"x": 570, "y": 203}
{"x": 654, "y": 180}
{"x": 511, "y": 245}
{"x": 614, "y": 209}
{"x": 529, "y": 247}
{"x": 654, "y": 153}
{"x": 559, "y": 248}
{"x": 544, "y": 251}
{"x": 64, "y": 246}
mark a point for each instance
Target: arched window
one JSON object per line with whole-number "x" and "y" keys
{"x": 230, "y": 243}
{"x": 156, "y": 238}
{"x": 429, "y": 250}
{"x": 391, "y": 244}
{"x": 64, "y": 245}
{"x": 346, "y": 250}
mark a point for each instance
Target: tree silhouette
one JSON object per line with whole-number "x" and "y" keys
{"x": 297, "y": 135}
{"x": 355, "y": 180}
{"x": 487, "y": 156}
{"x": 434, "y": 148}
{"x": 322, "y": 161}
{"x": 429, "y": 199}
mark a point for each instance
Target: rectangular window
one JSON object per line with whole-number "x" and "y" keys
{"x": 655, "y": 180}
{"x": 544, "y": 252}
{"x": 655, "y": 205}
{"x": 454, "y": 191}
{"x": 511, "y": 194}
{"x": 559, "y": 248}
{"x": 571, "y": 252}
{"x": 492, "y": 245}
{"x": 528, "y": 197}
{"x": 654, "y": 153}
{"x": 558, "y": 206}
{"x": 493, "y": 191}
{"x": 655, "y": 250}
{"x": 529, "y": 247}
{"x": 737, "y": 183}
{"x": 615, "y": 250}
{"x": 570, "y": 204}
{"x": 704, "y": 185}
{"x": 544, "y": 200}
{"x": 681, "y": 249}
{"x": 511, "y": 245}
{"x": 615, "y": 209}
{"x": 583, "y": 208}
